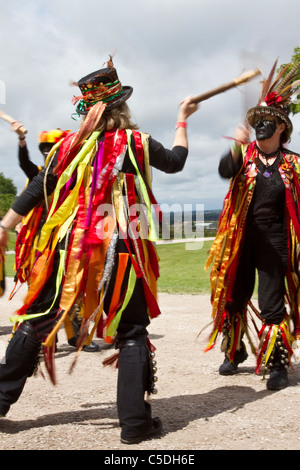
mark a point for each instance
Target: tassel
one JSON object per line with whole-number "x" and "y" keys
{"x": 111, "y": 360}
{"x": 75, "y": 99}
{"x": 49, "y": 362}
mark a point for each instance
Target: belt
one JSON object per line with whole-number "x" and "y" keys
{"x": 138, "y": 341}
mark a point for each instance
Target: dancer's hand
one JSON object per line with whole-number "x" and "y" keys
{"x": 186, "y": 109}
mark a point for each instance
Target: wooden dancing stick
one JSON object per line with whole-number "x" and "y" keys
{"x": 240, "y": 80}
{"x": 9, "y": 119}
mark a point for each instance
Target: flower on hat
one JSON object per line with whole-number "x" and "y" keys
{"x": 272, "y": 98}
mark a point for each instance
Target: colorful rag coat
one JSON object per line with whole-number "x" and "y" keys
{"x": 94, "y": 203}
{"x": 226, "y": 248}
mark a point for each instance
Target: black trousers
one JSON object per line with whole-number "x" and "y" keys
{"x": 134, "y": 369}
{"x": 265, "y": 250}
{"x": 24, "y": 347}
{"x": 17, "y": 365}
{"x": 134, "y": 363}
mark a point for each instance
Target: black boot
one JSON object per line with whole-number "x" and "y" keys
{"x": 278, "y": 367}
{"x": 278, "y": 379}
{"x": 231, "y": 368}
{"x": 92, "y": 347}
{"x": 134, "y": 379}
{"x": 19, "y": 363}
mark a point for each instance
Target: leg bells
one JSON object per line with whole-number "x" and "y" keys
{"x": 135, "y": 378}
{"x": 275, "y": 354}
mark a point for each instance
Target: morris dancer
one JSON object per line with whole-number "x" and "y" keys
{"x": 95, "y": 249}
{"x": 259, "y": 229}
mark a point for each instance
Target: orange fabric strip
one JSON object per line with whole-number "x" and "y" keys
{"x": 40, "y": 274}
{"x": 122, "y": 265}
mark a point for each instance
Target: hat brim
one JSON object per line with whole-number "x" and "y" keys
{"x": 268, "y": 111}
{"x": 44, "y": 146}
{"x": 127, "y": 92}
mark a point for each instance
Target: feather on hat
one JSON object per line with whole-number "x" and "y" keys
{"x": 276, "y": 95}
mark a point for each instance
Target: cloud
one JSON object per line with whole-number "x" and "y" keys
{"x": 166, "y": 50}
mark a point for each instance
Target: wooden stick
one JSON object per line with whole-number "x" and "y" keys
{"x": 240, "y": 80}
{"x": 9, "y": 119}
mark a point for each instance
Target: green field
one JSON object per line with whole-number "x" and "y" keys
{"x": 181, "y": 270}
{"x": 9, "y": 265}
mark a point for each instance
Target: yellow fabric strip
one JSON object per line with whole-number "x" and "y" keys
{"x": 118, "y": 200}
{"x": 69, "y": 328}
{"x": 152, "y": 231}
{"x": 271, "y": 343}
{"x": 148, "y": 174}
{"x": 68, "y": 209}
{"x": 290, "y": 338}
{"x": 67, "y": 173}
{"x": 74, "y": 271}
{"x": 51, "y": 337}
{"x": 224, "y": 249}
{"x": 52, "y": 152}
{"x": 211, "y": 340}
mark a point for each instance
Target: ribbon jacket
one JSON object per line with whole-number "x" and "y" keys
{"x": 94, "y": 204}
{"x": 225, "y": 250}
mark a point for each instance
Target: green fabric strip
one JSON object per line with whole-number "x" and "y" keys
{"x": 112, "y": 328}
{"x": 59, "y": 276}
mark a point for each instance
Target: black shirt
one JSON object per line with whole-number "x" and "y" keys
{"x": 30, "y": 169}
{"x": 268, "y": 200}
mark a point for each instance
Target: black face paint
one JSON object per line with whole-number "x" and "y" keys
{"x": 265, "y": 129}
{"x": 45, "y": 148}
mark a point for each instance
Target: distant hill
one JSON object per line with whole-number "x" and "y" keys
{"x": 212, "y": 215}
{"x": 190, "y": 224}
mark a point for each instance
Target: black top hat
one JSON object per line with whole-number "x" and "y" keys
{"x": 102, "y": 85}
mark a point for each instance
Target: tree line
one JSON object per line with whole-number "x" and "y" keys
{"x": 8, "y": 194}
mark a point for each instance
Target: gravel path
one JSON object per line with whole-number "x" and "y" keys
{"x": 200, "y": 409}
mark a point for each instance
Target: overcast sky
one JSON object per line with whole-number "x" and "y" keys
{"x": 166, "y": 50}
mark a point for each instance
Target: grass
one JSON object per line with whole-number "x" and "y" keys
{"x": 10, "y": 258}
{"x": 9, "y": 265}
{"x": 181, "y": 270}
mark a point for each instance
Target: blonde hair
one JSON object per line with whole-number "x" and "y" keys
{"x": 101, "y": 119}
{"x": 116, "y": 118}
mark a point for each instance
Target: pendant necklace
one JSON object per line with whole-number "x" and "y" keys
{"x": 267, "y": 173}
{"x": 268, "y": 168}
